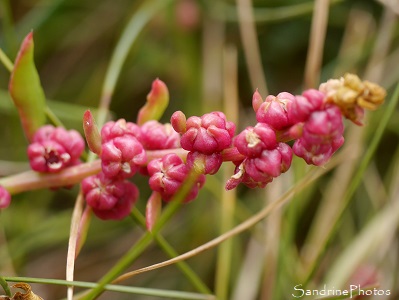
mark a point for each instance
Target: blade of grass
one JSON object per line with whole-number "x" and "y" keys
{"x": 115, "y": 288}
{"x": 356, "y": 180}
{"x": 251, "y": 46}
{"x": 129, "y": 35}
{"x": 135, "y": 25}
{"x": 8, "y": 26}
{"x": 316, "y": 44}
{"x": 309, "y": 178}
{"x": 133, "y": 253}
{"x": 7, "y": 63}
{"x": 169, "y": 250}
{"x": 367, "y": 242}
{"x": 228, "y": 198}
{"x": 5, "y": 286}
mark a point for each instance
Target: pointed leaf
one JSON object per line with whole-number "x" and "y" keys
{"x": 25, "y": 89}
{"x": 92, "y": 133}
{"x": 157, "y": 101}
{"x": 153, "y": 210}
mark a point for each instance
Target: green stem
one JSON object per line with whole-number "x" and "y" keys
{"x": 171, "y": 252}
{"x": 136, "y": 24}
{"x": 8, "y": 26}
{"x": 5, "y": 286}
{"x": 133, "y": 253}
{"x": 116, "y": 288}
{"x": 6, "y": 61}
{"x": 225, "y": 251}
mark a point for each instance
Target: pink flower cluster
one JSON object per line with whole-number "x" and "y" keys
{"x": 316, "y": 127}
{"x": 123, "y": 154}
{"x": 55, "y": 148}
{"x": 309, "y": 126}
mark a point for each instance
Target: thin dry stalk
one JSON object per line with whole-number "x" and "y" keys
{"x": 316, "y": 43}
{"x": 251, "y": 46}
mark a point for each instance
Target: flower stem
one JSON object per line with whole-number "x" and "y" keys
{"x": 31, "y": 180}
{"x": 133, "y": 253}
{"x": 6, "y": 61}
{"x": 171, "y": 252}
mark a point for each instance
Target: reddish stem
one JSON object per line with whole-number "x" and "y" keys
{"x": 31, "y": 180}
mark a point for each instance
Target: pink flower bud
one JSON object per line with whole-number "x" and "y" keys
{"x": 300, "y": 109}
{"x": 122, "y": 157}
{"x": 92, "y": 133}
{"x": 71, "y": 140}
{"x": 44, "y": 133}
{"x": 208, "y": 134}
{"x": 321, "y": 136}
{"x": 241, "y": 176}
{"x": 178, "y": 121}
{"x": 259, "y": 171}
{"x": 109, "y": 199}
{"x": 100, "y": 192}
{"x": 210, "y": 164}
{"x": 157, "y": 136}
{"x": 48, "y": 157}
{"x": 274, "y": 111}
{"x": 168, "y": 174}
{"x": 157, "y": 101}
{"x": 5, "y": 198}
{"x": 256, "y": 100}
{"x": 54, "y": 149}
{"x": 253, "y": 140}
{"x": 112, "y": 129}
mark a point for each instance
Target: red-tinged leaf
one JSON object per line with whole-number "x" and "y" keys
{"x": 153, "y": 210}
{"x": 25, "y": 89}
{"x": 92, "y": 133}
{"x": 83, "y": 229}
{"x": 157, "y": 101}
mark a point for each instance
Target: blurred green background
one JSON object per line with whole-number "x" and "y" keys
{"x": 184, "y": 45}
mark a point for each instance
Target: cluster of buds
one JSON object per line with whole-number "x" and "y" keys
{"x": 309, "y": 126}
{"x": 55, "y": 148}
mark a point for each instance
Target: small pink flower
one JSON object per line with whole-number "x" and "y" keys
{"x": 321, "y": 136}
{"x": 157, "y": 136}
{"x": 120, "y": 128}
{"x": 208, "y": 134}
{"x": 206, "y": 164}
{"x": 253, "y": 140}
{"x": 48, "y": 157}
{"x": 259, "y": 171}
{"x": 5, "y": 198}
{"x": 55, "y": 148}
{"x": 71, "y": 140}
{"x": 300, "y": 109}
{"x": 122, "y": 156}
{"x": 168, "y": 173}
{"x": 274, "y": 110}
{"x": 44, "y": 133}
{"x": 108, "y": 198}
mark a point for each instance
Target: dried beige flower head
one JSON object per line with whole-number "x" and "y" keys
{"x": 352, "y": 95}
{"x": 27, "y": 295}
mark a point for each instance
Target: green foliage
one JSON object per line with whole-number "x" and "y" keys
{"x": 104, "y": 54}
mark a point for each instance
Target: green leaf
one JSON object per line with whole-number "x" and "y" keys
{"x": 25, "y": 89}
